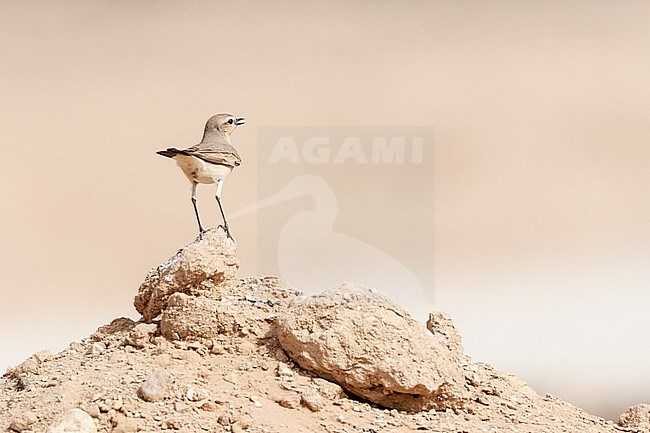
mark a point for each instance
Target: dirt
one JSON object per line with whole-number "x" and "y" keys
{"x": 239, "y": 378}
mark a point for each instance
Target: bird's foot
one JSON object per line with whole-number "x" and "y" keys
{"x": 201, "y": 232}
{"x": 227, "y": 230}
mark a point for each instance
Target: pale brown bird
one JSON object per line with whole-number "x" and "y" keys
{"x": 210, "y": 161}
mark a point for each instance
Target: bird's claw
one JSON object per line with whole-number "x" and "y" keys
{"x": 225, "y": 229}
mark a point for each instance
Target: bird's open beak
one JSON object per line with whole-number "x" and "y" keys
{"x": 240, "y": 121}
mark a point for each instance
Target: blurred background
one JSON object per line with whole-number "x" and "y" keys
{"x": 539, "y": 201}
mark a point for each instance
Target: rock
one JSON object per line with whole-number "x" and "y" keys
{"x": 195, "y": 345}
{"x": 213, "y": 257}
{"x": 442, "y": 327}
{"x": 196, "y": 394}
{"x": 179, "y": 406}
{"x": 281, "y": 355}
{"x": 636, "y": 417}
{"x": 23, "y": 383}
{"x": 256, "y": 401}
{"x": 93, "y": 411}
{"x": 23, "y": 422}
{"x": 104, "y": 406}
{"x": 73, "y": 421}
{"x": 155, "y": 387}
{"x": 225, "y": 420}
{"x": 290, "y": 401}
{"x": 372, "y": 348}
{"x": 118, "y": 326}
{"x": 97, "y": 348}
{"x": 490, "y": 381}
{"x": 217, "y": 349}
{"x": 209, "y": 406}
{"x": 123, "y": 424}
{"x": 43, "y": 355}
{"x": 190, "y": 317}
{"x": 172, "y": 424}
{"x": 312, "y": 401}
{"x": 28, "y": 366}
{"x": 328, "y": 390}
{"x": 141, "y": 334}
{"x": 231, "y": 378}
{"x": 245, "y": 422}
{"x": 118, "y": 403}
{"x": 284, "y": 371}
{"x": 246, "y": 347}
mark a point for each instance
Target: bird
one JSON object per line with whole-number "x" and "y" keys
{"x": 210, "y": 161}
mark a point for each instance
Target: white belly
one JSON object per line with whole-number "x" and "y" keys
{"x": 200, "y": 171}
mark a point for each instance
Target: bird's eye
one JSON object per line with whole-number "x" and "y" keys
{"x": 230, "y": 121}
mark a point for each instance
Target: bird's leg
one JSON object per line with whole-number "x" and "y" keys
{"x": 223, "y": 215}
{"x": 196, "y": 210}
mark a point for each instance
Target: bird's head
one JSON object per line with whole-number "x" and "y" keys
{"x": 225, "y": 123}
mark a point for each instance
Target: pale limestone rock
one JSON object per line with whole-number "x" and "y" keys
{"x": 289, "y": 401}
{"x": 190, "y": 317}
{"x": 442, "y": 327}
{"x": 328, "y": 390}
{"x": 312, "y": 401}
{"x": 155, "y": 387}
{"x": 43, "y": 355}
{"x": 636, "y": 417}
{"x": 141, "y": 334}
{"x": 212, "y": 257}
{"x": 23, "y": 422}
{"x": 73, "y": 421}
{"x": 359, "y": 339}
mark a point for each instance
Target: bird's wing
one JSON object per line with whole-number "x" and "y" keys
{"x": 222, "y": 153}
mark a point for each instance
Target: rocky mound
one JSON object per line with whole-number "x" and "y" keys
{"x": 221, "y": 354}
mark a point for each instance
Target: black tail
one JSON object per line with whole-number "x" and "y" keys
{"x": 169, "y": 153}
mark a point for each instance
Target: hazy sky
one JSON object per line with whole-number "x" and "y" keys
{"x": 538, "y": 199}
